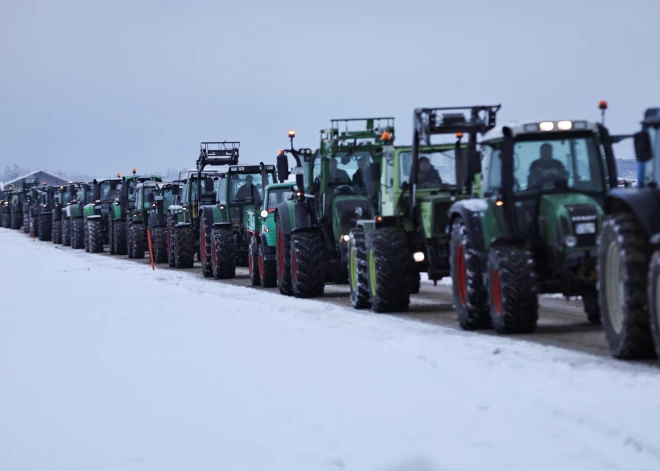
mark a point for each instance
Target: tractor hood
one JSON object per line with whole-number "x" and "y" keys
{"x": 346, "y": 210}
{"x": 570, "y": 222}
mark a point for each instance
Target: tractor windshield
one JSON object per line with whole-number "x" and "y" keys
{"x": 149, "y": 196}
{"x": 277, "y": 196}
{"x": 435, "y": 167}
{"x": 80, "y": 195}
{"x": 244, "y": 187}
{"x": 574, "y": 162}
{"x": 353, "y": 171}
{"x": 110, "y": 190}
{"x": 65, "y": 196}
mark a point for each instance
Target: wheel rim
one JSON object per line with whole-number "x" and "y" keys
{"x": 461, "y": 274}
{"x": 496, "y": 291}
{"x": 353, "y": 266}
{"x": 614, "y": 282}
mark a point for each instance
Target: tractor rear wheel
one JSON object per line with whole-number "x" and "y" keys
{"x": 46, "y": 228}
{"x": 358, "y": 271}
{"x": 160, "y": 244}
{"x": 514, "y": 298}
{"x": 95, "y": 230}
{"x": 55, "y": 230}
{"x": 591, "y": 308}
{"x": 66, "y": 232}
{"x": 470, "y": 294}
{"x": 16, "y": 220}
{"x": 206, "y": 245}
{"x": 223, "y": 254}
{"x": 282, "y": 258}
{"x": 388, "y": 261}
{"x": 119, "y": 237}
{"x": 654, "y": 298}
{"x": 78, "y": 234}
{"x": 623, "y": 254}
{"x": 138, "y": 239}
{"x": 184, "y": 247}
{"x": 253, "y": 262}
{"x": 307, "y": 267}
{"x": 267, "y": 269}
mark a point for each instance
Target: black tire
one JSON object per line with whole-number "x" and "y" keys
{"x": 184, "y": 247}
{"x": 138, "y": 240}
{"x": 624, "y": 247}
{"x": 388, "y": 261}
{"x": 282, "y": 258}
{"x": 16, "y": 220}
{"x": 86, "y": 235}
{"x": 358, "y": 270}
{"x": 513, "y": 290}
{"x": 78, "y": 233}
{"x": 253, "y": 262}
{"x": 223, "y": 253}
{"x": 95, "y": 231}
{"x": 171, "y": 259}
{"x": 159, "y": 244}
{"x": 66, "y": 232}
{"x": 267, "y": 269}
{"x": 591, "y": 308}
{"x": 119, "y": 237}
{"x": 415, "y": 282}
{"x": 47, "y": 229}
{"x": 654, "y": 299}
{"x": 206, "y": 245}
{"x": 55, "y": 231}
{"x": 307, "y": 267}
{"x": 111, "y": 235}
{"x": 128, "y": 237}
{"x": 26, "y": 223}
{"x": 470, "y": 294}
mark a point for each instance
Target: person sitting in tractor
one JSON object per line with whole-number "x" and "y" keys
{"x": 361, "y": 177}
{"x": 545, "y": 168}
{"x": 248, "y": 191}
{"x": 427, "y": 175}
{"x": 337, "y": 175}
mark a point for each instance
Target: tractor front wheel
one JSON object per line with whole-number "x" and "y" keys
{"x": 388, "y": 259}
{"x": 111, "y": 236}
{"x": 78, "y": 233}
{"x": 623, "y": 254}
{"x": 171, "y": 258}
{"x": 358, "y": 270}
{"x": 654, "y": 298}
{"x": 253, "y": 262}
{"x": 307, "y": 267}
{"x": 95, "y": 231}
{"x": 66, "y": 232}
{"x": 283, "y": 258}
{"x": 138, "y": 240}
{"x": 160, "y": 244}
{"x": 46, "y": 227}
{"x": 119, "y": 237}
{"x": 16, "y": 220}
{"x": 184, "y": 247}
{"x": 514, "y": 299}
{"x": 223, "y": 253}
{"x": 267, "y": 269}
{"x": 206, "y": 245}
{"x": 86, "y": 235}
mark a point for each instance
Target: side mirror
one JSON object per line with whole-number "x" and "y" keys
{"x": 282, "y": 168}
{"x": 209, "y": 186}
{"x": 643, "y": 146}
{"x": 375, "y": 172}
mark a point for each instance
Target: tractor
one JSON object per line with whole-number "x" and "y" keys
{"x": 312, "y": 230}
{"x": 30, "y": 210}
{"x": 533, "y": 229}
{"x": 629, "y": 254}
{"x": 61, "y": 226}
{"x": 104, "y": 195}
{"x": 189, "y": 229}
{"x": 159, "y": 199}
{"x": 73, "y": 212}
{"x": 120, "y": 221}
{"x": 14, "y": 204}
{"x": 232, "y": 242}
{"x": 43, "y": 215}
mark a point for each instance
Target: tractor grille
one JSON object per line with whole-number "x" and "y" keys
{"x": 440, "y": 216}
{"x": 580, "y": 213}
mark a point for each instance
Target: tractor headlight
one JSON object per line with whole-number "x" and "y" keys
{"x": 418, "y": 256}
{"x": 264, "y": 213}
{"x": 345, "y": 238}
{"x": 570, "y": 241}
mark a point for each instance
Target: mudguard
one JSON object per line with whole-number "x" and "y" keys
{"x": 644, "y": 203}
{"x": 470, "y": 211}
{"x": 284, "y": 211}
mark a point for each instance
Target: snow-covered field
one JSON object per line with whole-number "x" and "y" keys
{"x": 108, "y": 365}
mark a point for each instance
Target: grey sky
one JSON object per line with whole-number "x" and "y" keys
{"x": 101, "y": 87}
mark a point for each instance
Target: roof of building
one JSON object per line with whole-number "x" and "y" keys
{"x": 58, "y": 177}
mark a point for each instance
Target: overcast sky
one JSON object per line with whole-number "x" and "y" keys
{"x": 102, "y": 87}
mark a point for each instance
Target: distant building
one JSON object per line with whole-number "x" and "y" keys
{"x": 626, "y": 168}
{"x": 42, "y": 175}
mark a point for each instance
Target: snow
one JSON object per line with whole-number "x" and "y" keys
{"x": 108, "y": 365}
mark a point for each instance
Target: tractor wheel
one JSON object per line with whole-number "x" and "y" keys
{"x": 111, "y": 236}
{"x": 16, "y": 220}
{"x": 56, "y": 231}
{"x": 470, "y": 294}
{"x": 26, "y": 223}
{"x": 138, "y": 240}
{"x": 223, "y": 253}
{"x": 623, "y": 254}
{"x": 171, "y": 259}
{"x": 47, "y": 229}
{"x": 283, "y": 258}
{"x": 86, "y": 235}
{"x": 307, "y": 267}
{"x": 253, "y": 262}
{"x": 358, "y": 271}
{"x": 78, "y": 233}
{"x": 128, "y": 236}
{"x": 66, "y": 232}
{"x": 119, "y": 237}
{"x": 654, "y": 299}
{"x": 591, "y": 308}
{"x": 159, "y": 241}
{"x": 206, "y": 245}
{"x": 513, "y": 292}
{"x": 95, "y": 230}
{"x": 184, "y": 247}
{"x": 388, "y": 261}
{"x": 267, "y": 269}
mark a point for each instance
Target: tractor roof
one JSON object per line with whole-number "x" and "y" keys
{"x": 521, "y": 128}
{"x": 376, "y": 132}
{"x": 652, "y": 117}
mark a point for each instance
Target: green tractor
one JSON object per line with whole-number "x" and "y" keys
{"x": 43, "y": 214}
{"x": 534, "y": 226}
{"x": 312, "y": 230}
{"x": 629, "y": 254}
{"x": 30, "y": 209}
{"x": 61, "y": 226}
{"x": 105, "y": 194}
{"x": 73, "y": 212}
{"x": 231, "y": 242}
{"x": 15, "y": 202}
{"x": 189, "y": 229}
{"x": 159, "y": 199}
{"x": 120, "y": 220}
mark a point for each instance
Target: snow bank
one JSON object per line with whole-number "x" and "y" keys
{"x": 107, "y": 365}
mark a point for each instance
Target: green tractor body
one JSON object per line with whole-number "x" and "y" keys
{"x": 97, "y": 213}
{"x": 629, "y": 254}
{"x": 80, "y": 195}
{"x": 534, "y": 227}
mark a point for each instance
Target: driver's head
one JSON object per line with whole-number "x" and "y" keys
{"x": 248, "y": 180}
{"x": 424, "y": 164}
{"x": 546, "y": 151}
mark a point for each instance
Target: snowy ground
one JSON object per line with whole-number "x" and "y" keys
{"x": 107, "y": 365}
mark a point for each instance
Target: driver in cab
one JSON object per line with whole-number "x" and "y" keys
{"x": 546, "y": 168}
{"x": 337, "y": 175}
{"x": 427, "y": 175}
{"x": 248, "y": 191}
